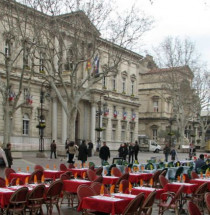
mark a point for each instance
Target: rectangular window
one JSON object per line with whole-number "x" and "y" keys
{"x": 41, "y": 63}
{"x": 132, "y": 87}
{"x": 123, "y": 85}
{"x": 25, "y": 127}
{"x": 104, "y": 82}
{"x": 154, "y": 133}
{"x": 123, "y": 136}
{"x": 114, "y": 84}
{"x": 113, "y": 135}
{"x": 155, "y": 106}
{"x": 131, "y": 137}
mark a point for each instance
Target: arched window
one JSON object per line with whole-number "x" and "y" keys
{"x": 25, "y": 124}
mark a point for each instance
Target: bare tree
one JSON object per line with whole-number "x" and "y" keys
{"x": 15, "y": 35}
{"x": 70, "y": 47}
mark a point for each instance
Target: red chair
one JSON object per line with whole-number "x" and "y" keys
{"x": 194, "y": 175}
{"x": 170, "y": 201}
{"x": 148, "y": 203}
{"x": 18, "y": 201}
{"x": 155, "y": 178}
{"x": 98, "y": 179}
{"x": 38, "y": 167}
{"x": 125, "y": 176}
{"x": 116, "y": 172}
{"x": 96, "y": 186}
{"x": 13, "y": 182}
{"x": 35, "y": 200}
{"x": 187, "y": 179}
{"x": 2, "y": 182}
{"x": 53, "y": 195}
{"x": 64, "y": 176}
{"x": 91, "y": 175}
{"x": 38, "y": 174}
{"x": 69, "y": 173}
{"x": 134, "y": 207}
{"x": 207, "y": 200}
{"x": 84, "y": 191}
{"x": 63, "y": 167}
{"x": 99, "y": 171}
{"x": 163, "y": 180}
{"x": 8, "y": 171}
{"x": 71, "y": 166}
{"x": 193, "y": 208}
{"x": 125, "y": 185}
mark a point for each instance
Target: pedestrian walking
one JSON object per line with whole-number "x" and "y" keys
{"x": 120, "y": 150}
{"x": 72, "y": 149}
{"x": 83, "y": 152}
{"x": 136, "y": 150}
{"x": 9, "y": 154}
{"x": 173, "y": 154}
{"x": 90, "y": 148}
{"x": 124, "y": 151}
{"x": 130, "y": 153}
{"x": 53, "y": 149}
{"x": 3, "y": 161}
{"x": 166, "y": 151}
{"x": 104, "y": 153}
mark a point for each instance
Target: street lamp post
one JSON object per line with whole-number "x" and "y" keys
{"x": 99, "y": 113}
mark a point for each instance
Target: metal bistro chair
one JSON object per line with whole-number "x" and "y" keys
{"x": 96, "y": 186}
{"x": 63, "y": 167}
{"x": 38, "y": 174}
{"x": 148, "y": 204}
{"x": 38, "y": 167}
{"x": 8, "y": 171}
{"x": 2, "y": 182}
{"x": 193, "y": 208}
{"x": 207, "y": 200}
{"x": 163, "y": 181}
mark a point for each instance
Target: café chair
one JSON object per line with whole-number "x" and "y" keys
{"x": 96, "y": 186}
{"x": 177, "y": 164}
{"x": 116, "y": 172}
{"x": 187, "y": 179}
{"x": 2, "y": 182}
{"x": 8, "y": 171}
{"x": 170, "y": 201}
{"x": 38, "y": 167}
{"x": 91, "y": 165}
{"x": 179, "y": 171}
{"x": 125, "y": 176}
{"x": 17, "y": 202}
{"x": 13, "y": 182}
{"x": 163, "y": 181}
{"x": 171, "y": 164}
{"x": 98, "y": 179}
{"x": 64, "y": 176}
{"x": 135, "y": 206}
{"x": 207, "y": 201}
{"x": 125, "y": 185}
{"x": 63, "y": 167}
{"x": 91, "y": 175}
{"x": 193, "y": 208}
{"x": 53, "y": 195}
{"x": 164, "y": 172}
{"x": 155, "y": 178}
{"x": 99, "y": 171}
{"x": 38, "y": 174}
{"x": 71, "y": 166}
{"x": 69, "y": 173}
{"x": 194, "y": 175}
{"x": 35, "y": 200}
{"x": 149, "y": 166}
{"x": 148, "y": 204}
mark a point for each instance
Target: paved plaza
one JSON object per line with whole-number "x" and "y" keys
{"x": 30, "y": 159}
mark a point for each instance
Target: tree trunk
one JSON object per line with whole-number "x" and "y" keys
{"x": 72, "y": 122}
{"x": 7, "y": 130}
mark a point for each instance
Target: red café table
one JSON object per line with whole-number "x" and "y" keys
{"x": 106, "y": 204}
{"x": 135, "y": 177}
{"x": 72, "y": 185}
{"x": 174, "y": 186}
{"x": 78, "y": 171}
{"x": 147, "y": 191}
{"x": 110, "y": 179}
{"x": 200, "y": 181}
{"x": 54, "y": 174}
{"x": 21, "y": 175}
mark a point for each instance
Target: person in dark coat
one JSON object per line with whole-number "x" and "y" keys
{"x": 120, "y": 150}
{"x": 104, "y": 153}
{"x": 200, "y": 162}
{"x": 166, "y": 151}
{"x": 90, "y": 148}
{"x": 53, "y": 149}
{"x": 130, "y": 153}
{"x": 136, "y": 150}
{"x": 124, "y": 151}
{"x": 9, "y": 154}
{"x": 83, "y": 152}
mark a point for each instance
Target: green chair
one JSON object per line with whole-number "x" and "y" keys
{"x": 149, "y": 166}
{"x": 179, "y": 171}
{"x": 105, "y": 163}
{"x": 170, "y": 164}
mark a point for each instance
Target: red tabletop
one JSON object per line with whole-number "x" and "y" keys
{"x": 21, "y": 175}
{"x": 104, "y": 204}
{"x": 52, "y": 174}
{"x": 5, "y": 195}
{"x": 78, "y": 171}
{"x": 147, "y": 191}
{"x": 188, "y": 188}
{"x": 135, "y": 177}
{"x": 72, "y": 185}
{"x": 110, "y": 179}
{"x": 200, "y": 181}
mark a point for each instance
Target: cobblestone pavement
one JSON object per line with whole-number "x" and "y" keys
{"x": 30, "y": 159}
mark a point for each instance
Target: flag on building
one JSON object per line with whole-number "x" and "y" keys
{"x": 133, "y": 116}
{"x": 115, "y": 113}
{"x": 88, "y": 65}
{"x": 96, "y": 65}
{"x": 106, "y": 112}
{"x": 124, "y": 115}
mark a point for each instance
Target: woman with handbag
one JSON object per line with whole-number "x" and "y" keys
{"x": 3, "y": 161}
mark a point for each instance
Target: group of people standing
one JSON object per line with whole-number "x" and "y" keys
{"x": 131, "y": 150}
{"x": 168, "y": 151}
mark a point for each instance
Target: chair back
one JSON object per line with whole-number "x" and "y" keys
{"x": 98, "y": 179}
{"x": 148, "y": 203}
{"x": 178, "y": 163}
{"x": 164, "y": 172}
{"x": 64, "y": 176}
{"x": 54, "y": 190}
{"x": 201, "y": 189}
{"x": 91, "y": 174}
{"x": 37, "y": 194}
{"x": 156, "y": 177}
{"x": 179, "y": 171}
{"x": 149, "y": 166}
{"x": 194, "y": 175}
{"x": 99, "y": 171}
{"x": 134, "y": 205}
{"x": 71, "y": 166}
{"x": 2, "y": 182}
{"x": 187, "y": 179}
{"x": 13, "y": 182}
{"x": 96, "y": 186}
{"x": 207, "y": 200}
{"x": 38, "y": 174}
{"x": 63, "y": 167}
{"x": 193, "y": 208}
{"x": 69, "y": 173}
{"x": 84, "y": 191}
{"x": 177, "y": 195}
{"x": 38, "y": 167}
{"x": 124, "y": 176}
{"x": 8, "y": 171}
{"x": 163, "y": 180}
{"x": 125, "y": 185}
{"x": 116, "y": 172}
